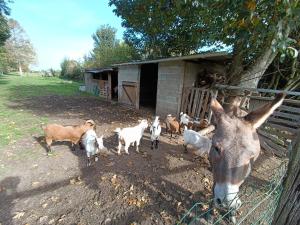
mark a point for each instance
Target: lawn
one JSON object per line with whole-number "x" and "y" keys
{"x": 17, "y": 123}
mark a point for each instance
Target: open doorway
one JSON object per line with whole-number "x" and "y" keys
{"x": 114, "y": 85}
{"x": 148, "y": 85}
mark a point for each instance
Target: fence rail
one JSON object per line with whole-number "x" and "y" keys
{"x": 277, "y": 134}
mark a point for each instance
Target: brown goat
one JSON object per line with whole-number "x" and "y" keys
{"x": 56, "y": 132}
{"x": 172, "y": 125}
{"x": 199, "y": 125}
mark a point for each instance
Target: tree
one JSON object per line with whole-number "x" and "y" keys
{"x": 107, "y": 49}
{"x": 255, "y": 31}
{"x": 20, "y": 52}
{"x": 71, "y": 69}
{"x": 4, "y": 28}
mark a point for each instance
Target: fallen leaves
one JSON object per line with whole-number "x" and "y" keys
{"x": 138, "y": 202}
{"x": 35, "y": 183}
{"x": 76, "y": 181}
{"x": 167, "y": 218}
{"x": 115, "y": 182}
{"x": 19, "y": 215}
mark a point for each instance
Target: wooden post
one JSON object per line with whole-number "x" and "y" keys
{"x": 288, "y": 209}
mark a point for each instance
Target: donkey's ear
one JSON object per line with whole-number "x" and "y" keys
{"x": 259, "y": 116}
{"x": 216, "y": 107}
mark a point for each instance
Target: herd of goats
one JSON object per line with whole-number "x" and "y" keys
{"x": 85, "y": 134}
{"x": 232, "y": 150}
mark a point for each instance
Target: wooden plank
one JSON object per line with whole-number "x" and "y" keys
{"x": 293, "y": 124}
{"x": 195, "y": 102}
{"x": 271, "y": 150}
{"x": 286, "y": 115}
{"x": 221, "y": 86}
{"x": 267, "y": 99}
{"x": 268, "y": 135}
{"x": 184, "y": 100}
{"x": 278, "y": 133}
{"x": 273, "y": 145}
{"x": 205, "y": 106}
{"x": 199, "y": 104}
{"x": 191, "y": 101}
{"x": 289, "y": 109}
{"x": 282, "y": 128}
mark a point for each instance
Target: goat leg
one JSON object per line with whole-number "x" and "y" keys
{"x": 119, "y": 148}
{"x": 137, "y": 146}
{"x": 185, "y": 149}
{"x": 88, "y": 161}
{"x": 156, "y": 144}
{"x": 73, "y": 147}
{"x": 49, "y": 150}
{"x": 152, "y": 144}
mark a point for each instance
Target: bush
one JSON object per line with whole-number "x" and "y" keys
{"x": 71, "y": 69}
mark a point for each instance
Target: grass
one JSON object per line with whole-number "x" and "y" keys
{"x": 17, "y": 122}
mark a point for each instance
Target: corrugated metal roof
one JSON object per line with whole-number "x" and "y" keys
{"x": 214, "y": 56}
{"x": 99, "y": 70}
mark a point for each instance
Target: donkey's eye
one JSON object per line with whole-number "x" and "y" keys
{"x": 217, "y": 149}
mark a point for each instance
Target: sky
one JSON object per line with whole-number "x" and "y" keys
{"x": 61, "y": 29}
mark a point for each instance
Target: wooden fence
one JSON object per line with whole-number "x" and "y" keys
{"x": 277, "y": 134}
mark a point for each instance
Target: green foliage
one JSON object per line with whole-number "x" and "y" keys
{"x": 17, "y": 121}
{"x": 18, "y": 52}
{"x": 107, "y": 49}
{"x": 165, "y": 27}
{"x": 4, "y": 28}
{"x": 71, "y": 69}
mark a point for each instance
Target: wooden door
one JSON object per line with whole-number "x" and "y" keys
{"x": 129, "y": 93}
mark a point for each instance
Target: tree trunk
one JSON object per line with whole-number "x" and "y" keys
{"x": 288, "y": 209}
{"x": 249, "y": 78}
{"x": 20, "y": 70}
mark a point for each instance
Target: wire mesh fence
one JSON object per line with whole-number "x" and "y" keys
{"x": 259, "y": 195}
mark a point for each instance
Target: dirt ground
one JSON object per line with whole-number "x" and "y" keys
{"x": 150, "y": 187}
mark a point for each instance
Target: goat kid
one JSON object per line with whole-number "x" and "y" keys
{"x": 172, "y": 125}
{"x": 185, "y": 120}
{"x": 155, "y": 130}
{"x": 131, "y": 135}
{"x": 73, "y": 134}
{"x": 92, "y": 145}
{"x": 201, "y": 143}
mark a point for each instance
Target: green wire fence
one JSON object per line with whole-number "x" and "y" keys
{"x": 259, "y": 202}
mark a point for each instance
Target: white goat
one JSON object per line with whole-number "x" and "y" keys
{"x": 155, "y": 131}
{"x": 131, "y": 135}
{"x": 92, "y": 145}
{"x": 201, "y": 143}
{"x": 185, "y": 120}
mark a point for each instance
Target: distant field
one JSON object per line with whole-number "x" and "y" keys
{"x": 15, "y": 122}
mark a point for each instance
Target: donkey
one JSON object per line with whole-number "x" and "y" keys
{"x": 235, "y": 146}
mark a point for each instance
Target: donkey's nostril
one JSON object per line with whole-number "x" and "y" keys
{"x": 219, "y": 201}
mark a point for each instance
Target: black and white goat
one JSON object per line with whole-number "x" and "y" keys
{"x": 155, "y": 130}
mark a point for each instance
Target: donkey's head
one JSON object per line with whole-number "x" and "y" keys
{"x": 235, "y": 146}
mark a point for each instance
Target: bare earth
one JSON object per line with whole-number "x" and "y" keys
{"x": 150, "y": 187}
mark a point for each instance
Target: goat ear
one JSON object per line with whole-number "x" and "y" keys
{"x": 259, "y": 116}
{"x": 216, "y": 107}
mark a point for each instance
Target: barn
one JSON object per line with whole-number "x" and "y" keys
{"x": 102, "y": 82}
{"x": 159, "y": 84}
